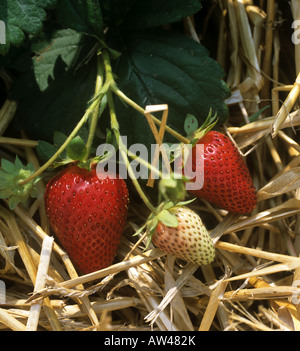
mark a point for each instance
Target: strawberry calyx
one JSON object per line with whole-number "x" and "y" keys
{"x": 208, "y": 125}
{"x": 76, "y": 151}
{"x": 16, "y": 184}
{"x": 189, "y": 241}
{"x": 163, "y": 214}
{"x": 11, "y": 177}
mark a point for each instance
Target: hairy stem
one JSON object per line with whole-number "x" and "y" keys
{"x": 138, "y": 108}
{"x": 123, "y": 150}
{"x": 118, "y": 92}
{"x": 64, "y": 145}
{"x": 115, "y": 128}
{"x": 95, "y": 113}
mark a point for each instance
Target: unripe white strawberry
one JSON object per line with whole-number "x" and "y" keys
{"x": 189, "y": 241}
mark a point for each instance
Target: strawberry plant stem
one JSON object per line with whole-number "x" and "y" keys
{"x": 123, "y": 150}
{"x": 92, "y": 110}
{"x": 83, "y": 120}
{"x": 138, "y": 108}
{"x": 95, "y": 113}
{"x": 118, "y": 92}
{"x": 115, "y": 128}
{"x": 144, "y": 163}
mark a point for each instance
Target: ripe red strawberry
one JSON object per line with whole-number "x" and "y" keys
{"x": 227, "y": 181}
{"x": 189, "y": 241}
{"x": 88, "y": 216}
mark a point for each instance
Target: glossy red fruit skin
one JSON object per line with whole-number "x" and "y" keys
{"x": 87, "y": 215}
{"x": 227, "y": 180}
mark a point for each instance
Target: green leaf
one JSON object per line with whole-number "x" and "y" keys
{"x": 20, "y": 17}
{"x": 13, "y": 202}
{"x": 165, "y": 67}
{"x": 167, "y": 218}
{"x": 151, "y": 227}
{"x": 7, "y": 166}
{"x": 4, "y": 193}
{"x": 76, "y": 150}
{"x": 19, "y": 165}
{"x": 184, "y": 203}
{"x": 67, "y": 91}
{"x": 82, "y": 16}
{"x": 255, "y": 115}
{"x": 152, "y": 223}
{"x": 209, "y": 123}
{"x": 139, "y": 230}
{"x": 63, "y": 44}
{"x": 190, "y": 124}
{"x": 45, "y": 150}
{"x": 172, "y": 189}
{"x": 11, "y": 174}
{"x": 59, "y": 138}
{"x": 146, "y": 14}
{"x": 114, "y": 11}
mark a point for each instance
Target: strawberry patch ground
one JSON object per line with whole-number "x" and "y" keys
{"x": 86, "y": 90}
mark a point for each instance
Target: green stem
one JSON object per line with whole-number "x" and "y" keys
{"x": 145, "y": 164}
{"x": 115, "y": 128}
{"x": 108, "y": 68}
{"x": 138, "y": 108}
{"x": 133, "y": 104}
{"x": 123, "y": 150}
{"x": 64, "y": 145}
{"x": 94, "y": 119}
{"x": 93, "y": 111}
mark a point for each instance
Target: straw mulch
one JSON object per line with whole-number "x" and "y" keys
{"x": 254, "y": 282}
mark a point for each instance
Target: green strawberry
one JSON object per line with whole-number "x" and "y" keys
{"x": 189, "y": 240}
